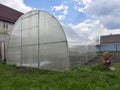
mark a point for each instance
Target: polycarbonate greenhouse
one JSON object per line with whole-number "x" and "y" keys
{"x": 39, "y": 40}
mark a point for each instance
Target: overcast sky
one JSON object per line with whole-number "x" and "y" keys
{"x": 93, "y": 18}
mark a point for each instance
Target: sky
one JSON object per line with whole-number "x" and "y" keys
{"x": 93, "y": 18}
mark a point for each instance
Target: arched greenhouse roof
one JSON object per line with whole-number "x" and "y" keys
{"x": 40, "y": 40}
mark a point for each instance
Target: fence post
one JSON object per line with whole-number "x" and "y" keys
{"x": 116, "y": 48}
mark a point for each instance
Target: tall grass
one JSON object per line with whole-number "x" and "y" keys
{"x": 96, "y": 77}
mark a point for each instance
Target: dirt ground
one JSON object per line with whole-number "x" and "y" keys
{"x": 114, "y": 58}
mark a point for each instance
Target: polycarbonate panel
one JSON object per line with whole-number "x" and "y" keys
{"x": 33, "y": 12}
{"x": 34, "y": 20}
{"x": 75, "y": 38}
{"x": 30, "y": 36}
{"x": 77, "y": 55}
{"x": 14, "y": 55}
{"x": 89, "y": 52}
{"x": 30, "y": 56}
{"x": 78, "y": 46}
{"x": 50, "y": 29}
{"x": 25, "y": 23}
{"x": 15, "y": 38}
{"x": 93, "y": 49}
{"x": 54, "y": 56}
{"x": 30, "y": 21}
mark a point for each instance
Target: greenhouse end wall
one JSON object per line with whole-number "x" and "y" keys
{"x": 39, "y": 40}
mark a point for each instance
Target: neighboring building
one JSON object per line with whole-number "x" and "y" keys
{"x": 109, "y": 39}
{"x": 109, "y": 43}
{"x": 8, "y": 17}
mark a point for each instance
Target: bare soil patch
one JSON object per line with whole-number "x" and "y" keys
{"x": 114, "y": 58}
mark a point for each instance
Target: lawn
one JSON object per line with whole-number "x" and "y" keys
{"x": 96, "y": 77}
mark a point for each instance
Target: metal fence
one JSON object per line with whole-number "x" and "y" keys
{"x": 108, "y": 47}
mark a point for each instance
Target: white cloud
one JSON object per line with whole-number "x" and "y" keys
{"x": 60, "y": 17}
{"x": 107, "y": 12}
{"x": 70, "y": 25}
{"x": 60, "y": 7}
{"x": 82, "y": 4}
{"x": 17, "y": 5}
{"x": 62, "y": 10}
{"x": 93, "y": 30}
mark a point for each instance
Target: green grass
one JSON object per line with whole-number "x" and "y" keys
{"x": 96, "y": 77}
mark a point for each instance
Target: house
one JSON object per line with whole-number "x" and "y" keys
{"x": 8, "y": 17}
{"x": 109, "y": 43}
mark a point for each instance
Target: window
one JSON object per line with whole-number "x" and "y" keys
{"x": 5, "y": 25}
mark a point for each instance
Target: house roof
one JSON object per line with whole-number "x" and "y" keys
{"x": 110, "y": 39}
{"x": 9, "y": 14}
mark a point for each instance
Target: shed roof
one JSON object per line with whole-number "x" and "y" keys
{"x": 9, "y": 14}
